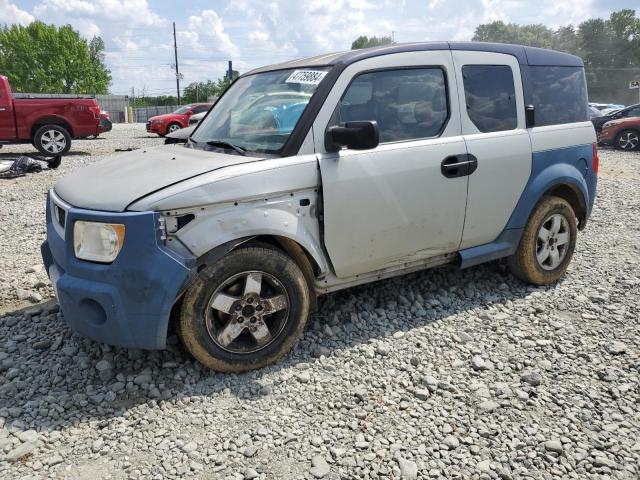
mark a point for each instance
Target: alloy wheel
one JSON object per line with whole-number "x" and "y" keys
{"x": 247, "y": 312}
{"x": 628, "y": 141}
{"x": 553, "y": 241}
{"x": 53, "y": 141}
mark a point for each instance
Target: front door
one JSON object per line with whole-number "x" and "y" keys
{"x": 398, "y": 202}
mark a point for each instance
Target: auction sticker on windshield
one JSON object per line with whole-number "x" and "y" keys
{"x": 309, "y": 77}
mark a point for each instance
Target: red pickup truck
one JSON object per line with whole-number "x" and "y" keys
{"x": 47, "y": 123}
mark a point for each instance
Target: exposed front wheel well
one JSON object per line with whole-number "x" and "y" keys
{"x": 574, "y": 198}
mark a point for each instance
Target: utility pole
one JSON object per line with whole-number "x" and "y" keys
{"x": 393, "y": 36}
{"x": 175, "y": 51}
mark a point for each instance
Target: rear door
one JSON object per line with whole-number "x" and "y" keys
{"x": 393, "y": 203}
{"x": 7, "y": 120}
{"x": 493, "y": 126}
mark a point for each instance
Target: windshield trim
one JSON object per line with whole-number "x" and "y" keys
{"x": 294, "y": 142}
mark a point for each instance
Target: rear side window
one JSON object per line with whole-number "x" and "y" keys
{"x": 490, "y": 96}
{"x": 559, "y": 95}
{"x": 200, "y": 109}
{"x": 408, "y": 104}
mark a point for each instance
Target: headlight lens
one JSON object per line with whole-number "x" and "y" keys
{"x": 97, "y": 242}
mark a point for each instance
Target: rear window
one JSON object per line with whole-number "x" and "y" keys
{"x": 559, "y": 95}
{"x": 490, "y": 95}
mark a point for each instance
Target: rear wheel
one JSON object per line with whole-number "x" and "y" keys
{"x": 52, "y": 140}
{"x": 627, "y": 140}
{"x": 547, "y": 243}
{"x": 245, "y": 311}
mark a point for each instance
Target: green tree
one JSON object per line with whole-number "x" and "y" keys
{"x": 200, "y": 91}
{"x": 42, "y": 58}
{"x": 365, "y": 42}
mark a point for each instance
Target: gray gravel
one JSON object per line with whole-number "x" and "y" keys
{"x": 442, "y": 374}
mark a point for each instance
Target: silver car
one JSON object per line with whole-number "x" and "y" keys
{"x": 320, "y": 174}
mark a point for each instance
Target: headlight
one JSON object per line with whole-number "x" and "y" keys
{"x": 97, "y": 242}
{"x": 159, "y": 122}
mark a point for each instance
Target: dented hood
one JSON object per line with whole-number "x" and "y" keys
{"x": 113, "y": 184}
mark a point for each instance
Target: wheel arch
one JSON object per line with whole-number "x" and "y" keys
{"x": 561, "y": 179}
{"x": 50, "y": 120}
{"x": 297, "y": 252}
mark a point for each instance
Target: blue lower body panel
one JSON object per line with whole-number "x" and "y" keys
{"x": 569, "y": 166}
{"x": 128, "y": 302}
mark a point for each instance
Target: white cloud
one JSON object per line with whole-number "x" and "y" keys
{"x": 87, "y": 28}
{"x": 9, "y": 14}
{"x": 206, "y": 33}
{"x": 134, "y": 12}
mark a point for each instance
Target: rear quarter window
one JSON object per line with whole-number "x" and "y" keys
{"x": 490, "y": 97}
{"x": 559, "y": 95}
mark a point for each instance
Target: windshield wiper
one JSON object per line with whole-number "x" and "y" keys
{"x": 223, "y": 144}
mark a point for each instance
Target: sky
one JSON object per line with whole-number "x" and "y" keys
{"x": 138, "y": 34}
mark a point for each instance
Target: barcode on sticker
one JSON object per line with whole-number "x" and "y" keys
{"x": 309, "y": 77}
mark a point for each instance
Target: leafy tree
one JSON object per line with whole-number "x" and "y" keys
{"x": 365, "y": 42}
{"x": 200, "y": 91}
{"x": 42, "y": 58}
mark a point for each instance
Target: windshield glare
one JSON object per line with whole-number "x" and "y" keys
{"x": 183, "y": 110}
{"x": 259, "y": 112}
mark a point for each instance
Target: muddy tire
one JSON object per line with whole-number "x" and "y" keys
{"x": 245, "y": 311}
{"x": 52, "y": 140}
{"x": 547, "y": 243}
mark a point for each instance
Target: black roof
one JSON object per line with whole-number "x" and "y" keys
{"x": 525, "y": 55}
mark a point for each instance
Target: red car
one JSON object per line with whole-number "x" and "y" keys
{"x": 170, "y": 122}
{"x": 48, "y": 123}
{"x": 623, "y": 133}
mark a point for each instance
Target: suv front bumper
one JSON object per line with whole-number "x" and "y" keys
{"x": 128, "y": 302}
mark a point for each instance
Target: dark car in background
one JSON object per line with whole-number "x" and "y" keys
{"x": 627, "y": 112}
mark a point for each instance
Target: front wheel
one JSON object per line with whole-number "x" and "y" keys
{"x": 627, "y": 140}
{"x": 52, "y": 140}
{"x": 173, "y": 127}
{"x": 245, "y": 311}
{"x": 547, "y": 243}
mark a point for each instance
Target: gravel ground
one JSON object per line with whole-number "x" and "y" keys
{"x": 442, "y": 374}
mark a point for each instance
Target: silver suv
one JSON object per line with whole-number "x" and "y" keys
{"x": 320, "y": 174}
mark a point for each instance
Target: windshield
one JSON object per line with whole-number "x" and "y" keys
{"x": 260, "y": 111}
{"x": 183, "y": 110}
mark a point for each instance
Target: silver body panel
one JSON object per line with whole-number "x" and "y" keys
{"x": 361, "y": 215}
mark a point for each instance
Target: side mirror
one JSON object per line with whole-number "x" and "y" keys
{"x": 355, "y": 135}
{"x": 530, "y": 116}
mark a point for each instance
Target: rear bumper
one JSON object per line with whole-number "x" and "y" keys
{"x": 105, "y": 125}
{"x": 128, "y": 302}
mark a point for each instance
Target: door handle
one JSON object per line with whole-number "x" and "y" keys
{"x": 461, "y": 165}
{"x": 2, "y": 109}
